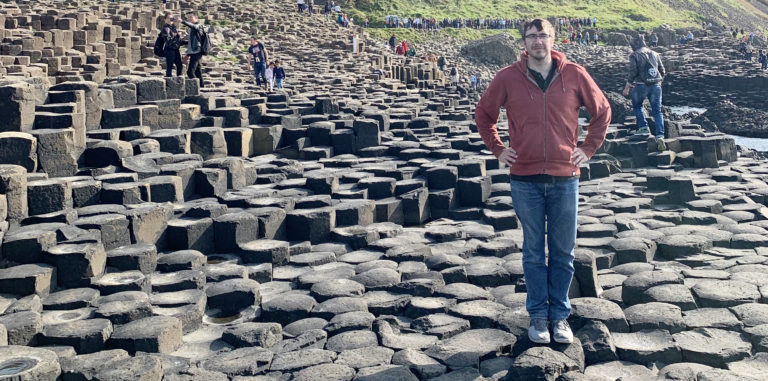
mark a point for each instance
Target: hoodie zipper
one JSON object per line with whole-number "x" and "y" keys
{"x": 544, "y": 96}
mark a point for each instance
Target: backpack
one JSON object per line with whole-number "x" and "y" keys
{"x": 205, "y": 43}
{"x": 650, "y": 70}
{"x": 160, "y": 45}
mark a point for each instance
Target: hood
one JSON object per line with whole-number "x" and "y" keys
{"x": 638, "y": 42}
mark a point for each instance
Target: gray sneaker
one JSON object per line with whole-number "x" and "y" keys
{"x": 538, "y": 331}
{"x": 562, "y": 331}
{"x": 660, "y": 145}
{"x": 643, "y": 131}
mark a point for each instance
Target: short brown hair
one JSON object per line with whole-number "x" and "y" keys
{"x": 539, "y": 24}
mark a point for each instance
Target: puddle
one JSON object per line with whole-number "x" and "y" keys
{"x": 16, "y": 366}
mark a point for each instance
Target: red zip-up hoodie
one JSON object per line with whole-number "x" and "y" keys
{"x": 543, "y": 126}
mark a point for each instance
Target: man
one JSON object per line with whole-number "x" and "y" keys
{"x": 327, "y": 9}
{"x": 194, "y": 52}
{"x": 172, "y": 44}
{"x": 542, "y": 94}
{"x": 646, "y": 72}
{"x": 763, "y": 59}
{"x": 655, "y": 40}
{"x": 392, "y": 42}
{"x": 259, "y": 57}
{"x": 441, "y": 62}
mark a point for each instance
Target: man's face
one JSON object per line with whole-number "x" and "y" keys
{"x": 538, "y": 43}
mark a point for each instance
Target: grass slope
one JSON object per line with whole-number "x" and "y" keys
{"x": 611, "y": 14}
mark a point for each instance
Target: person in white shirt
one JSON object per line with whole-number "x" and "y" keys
{"x": 270, "y": 74}
{"x": 300, "y": 4}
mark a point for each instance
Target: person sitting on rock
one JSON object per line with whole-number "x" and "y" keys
{"x": 683, "y": 40}
{"x": 689, "y": 36}
{"x": 646, "y": 72}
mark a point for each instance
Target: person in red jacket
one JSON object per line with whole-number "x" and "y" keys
{"x": 542, "y": 94}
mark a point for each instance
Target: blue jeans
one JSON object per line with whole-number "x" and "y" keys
{"x": 547, "y": 208}
{"x": 259, "y": 69}
{"x": 278, "y": 83}
{"x": 640, "y": 92}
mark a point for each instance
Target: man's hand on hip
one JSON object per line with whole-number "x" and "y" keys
{"x": 578, "y": 157}
{"x": 508, "y": 156}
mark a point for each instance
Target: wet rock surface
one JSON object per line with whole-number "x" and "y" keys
{"x": 350, "y": 226}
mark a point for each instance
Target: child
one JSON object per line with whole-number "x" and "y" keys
{"x": 279, "y": 75}
{"x": 270, "y": 74}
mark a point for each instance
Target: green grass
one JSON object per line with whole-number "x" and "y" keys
{"x": 611, "y": 14}
{"x": 419, "y": 37}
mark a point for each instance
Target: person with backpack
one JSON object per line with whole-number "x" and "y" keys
{"x": 441, "y": 62}
{"x": 171, "y": 44}
{"x": 646, "y": 72}
{"x": 454, "y": 76}
{"x": 259, "y": 57}
{"x": 197, "y": 46}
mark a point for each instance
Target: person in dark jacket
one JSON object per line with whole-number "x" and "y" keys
{"x": 259, "y": 57}
{"x": 392, "y": 42}
{"x": 542, "y": 94}
{"x": 646, "y": 72}
{"x": 194, "y": 52}
{"x": 172, "y": 44}
{"x": 279, "y": 74}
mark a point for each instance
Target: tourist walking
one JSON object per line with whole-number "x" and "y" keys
{"x": 172, "y": 44}
{"x": 392, "y": 42}
{"x": 259, "y": 58}
{"x": 327, "y": 9}
{"x": 270, "y": 74}
{"x": 763, "y": 60}
{"x": 279, "y": 75}
{"x": 646, "y": 72}
{"x": 542, "y": 94}
{"x": 194, "y": 54}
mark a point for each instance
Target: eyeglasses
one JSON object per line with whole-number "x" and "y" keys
{"x": 542, "y": 36}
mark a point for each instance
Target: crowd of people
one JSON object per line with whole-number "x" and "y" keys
{"x": 432, "y": 23}
{"x": 331, "y": 10}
